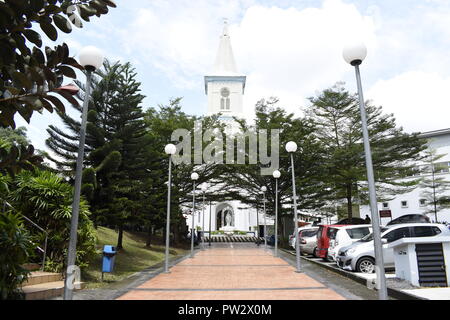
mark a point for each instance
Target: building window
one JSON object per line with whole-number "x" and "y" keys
{"x": 404, "y": 204}
{"x": 385, "y": 205}
{"x": 225, "y": 99}
{"x": 422, "y": 202}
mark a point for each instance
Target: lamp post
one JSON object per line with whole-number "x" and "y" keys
{"x": 210, "y": 223}
{"x": 263, "y": 190}
{"x": 291, "y": 147}
{"x": 170, "y": 150}
{"x": 91, "y": 59}
{"x": 354, "y": 54}
{"x": 194, "y": 177}
{"x": 276, "y": 175}
{"x": 204, "y": 188}
{"x": 257, "y": 224}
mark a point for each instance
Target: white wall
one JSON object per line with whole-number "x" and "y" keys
{"x": 442, "y": 146}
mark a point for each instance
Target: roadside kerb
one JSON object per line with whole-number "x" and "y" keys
{"x": 394, "y": 293}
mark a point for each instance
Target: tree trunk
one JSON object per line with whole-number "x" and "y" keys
{"x": 149, "y": 236}
{"x": 119, "y": 238}
{"x": 349, "y": 202}
{"x": 174, "y": 228}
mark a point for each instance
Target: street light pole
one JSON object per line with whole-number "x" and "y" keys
{"x": 354, "y": 55}
{"x": 210, "y": 223}
{"x": 276, "y": 175}
{"x": 264, "y": 189}
{"x": 194, "y": 177}
{"x": 204, "y": 188}
{"x": 291, "y": 147}
{"x": 170, "y": 149}
{"x": 91, "y": 59}
{"x": 257, "y": 224}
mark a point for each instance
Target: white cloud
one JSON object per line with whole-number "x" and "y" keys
{"x": 290, "y": 53}
{"x": 419, "y": 100}
{"x": 287, "y": 53}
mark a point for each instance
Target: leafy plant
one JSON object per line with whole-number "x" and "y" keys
{"x": 15, "y": 249}
{"x": 46, "y": 199}
{"x": 30, "y": 76}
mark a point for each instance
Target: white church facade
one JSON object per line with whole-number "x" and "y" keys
{"x": 225, "y": 89}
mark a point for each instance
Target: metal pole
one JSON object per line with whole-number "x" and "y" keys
{"x": 210, "y": 223}
{"x": 297, "y": 245}
{"x": 265, "y": 225}
{"x": 381, "y": 278}
{"x": 257, "y": 224}
{"x": 434, "y": 194}
{"x": 72, "y": 251}
{"x": 276, "y": 217}
{"x": 203, "y": 224}
{"x": 192, "y": 229}
{"x": 169, "y": 186}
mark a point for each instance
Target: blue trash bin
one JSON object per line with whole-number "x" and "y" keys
{"x": 109, "y": 256}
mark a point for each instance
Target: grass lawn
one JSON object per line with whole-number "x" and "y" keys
{"x": 134, "y": 257}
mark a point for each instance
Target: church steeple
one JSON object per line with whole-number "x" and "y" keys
{"x": 224, "y": 86}
{"x": 225, "y": 64}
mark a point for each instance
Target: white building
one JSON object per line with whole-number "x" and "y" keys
{"x": 413, "y": 202}
{"x": 225, "y": 88}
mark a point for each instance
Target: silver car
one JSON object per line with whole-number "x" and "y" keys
{"x": 360, "y": 255}
{"x": 308, "y": 241}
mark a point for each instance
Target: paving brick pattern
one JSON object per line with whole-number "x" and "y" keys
{"x": 232, "y": 274}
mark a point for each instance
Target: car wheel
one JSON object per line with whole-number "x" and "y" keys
{"x": 366, "y": 265}
{"x": 315, "y": 253}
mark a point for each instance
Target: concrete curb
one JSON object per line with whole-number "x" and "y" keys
{"x": 393, "y": 293}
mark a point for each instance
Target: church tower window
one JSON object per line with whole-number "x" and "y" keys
{"x": 225, "y": 99}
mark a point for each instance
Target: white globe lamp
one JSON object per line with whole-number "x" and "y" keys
{"x": 276, "y": 174}
{"x": 91, "y": 58}
{"x": 355, "y": 53}
{"x": 291, "y": 147}
{"x": 170, "y": 149}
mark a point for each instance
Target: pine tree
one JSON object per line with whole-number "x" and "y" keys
{"x": 114, "y": 161}
{"x": 435, "y": 187}
{"x": 335, "y": 112}
{"x": 245, "y": 180}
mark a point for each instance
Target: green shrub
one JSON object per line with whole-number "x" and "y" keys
{"x": 15, "y": 249}
{"x": 46, "y": 199}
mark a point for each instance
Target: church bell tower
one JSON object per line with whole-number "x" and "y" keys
{"x": 224, "y": 86}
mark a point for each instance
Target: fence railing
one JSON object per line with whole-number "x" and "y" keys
{"x": 43, "y": 250}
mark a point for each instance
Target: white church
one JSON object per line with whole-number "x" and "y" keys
{"x": 225, "y": 89}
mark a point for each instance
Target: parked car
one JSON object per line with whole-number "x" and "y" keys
{"x": 345, "y": 236}
{"x": 323, "y": 239}
{"x": 360, "y": 255}
{"x": 308, "y": 241}
{"x": 410, "y": 218}
{"x": 292, "y": 236}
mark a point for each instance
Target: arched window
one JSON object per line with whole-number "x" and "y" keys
{"x": 225, "y": 99}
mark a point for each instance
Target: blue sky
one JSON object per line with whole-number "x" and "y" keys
{"x": 288, "y": 49}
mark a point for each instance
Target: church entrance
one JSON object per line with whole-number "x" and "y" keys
{"x": 219, "y": 220}
{"x": 225, "y": 219}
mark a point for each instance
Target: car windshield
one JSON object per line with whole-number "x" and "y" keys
{"x": 369, "y": 237}
{"x": 308, "y": 233}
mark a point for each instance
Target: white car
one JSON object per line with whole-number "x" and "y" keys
{"x": 344, "y": 236}
{"x": 292, "y": 236}
{"x": 360, "y": 256}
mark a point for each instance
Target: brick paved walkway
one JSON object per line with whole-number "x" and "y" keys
{"x": 244, "y": 273}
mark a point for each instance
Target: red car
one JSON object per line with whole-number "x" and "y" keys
{"x": 323, "y": 239}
